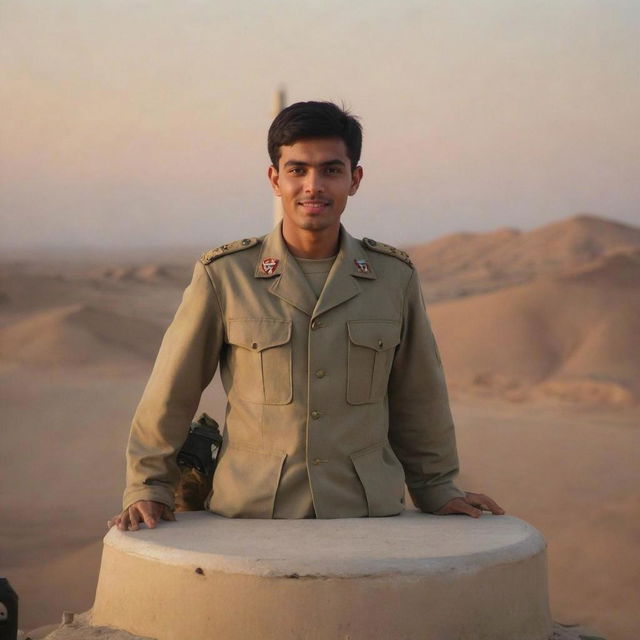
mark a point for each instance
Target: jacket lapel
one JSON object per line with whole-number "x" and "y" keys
{"x": 342, "y": 284}
{"x": 291, "y": 284}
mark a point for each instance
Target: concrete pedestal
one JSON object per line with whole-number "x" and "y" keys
{"x": 410, "y": 577}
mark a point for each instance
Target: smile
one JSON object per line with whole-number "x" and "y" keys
{"x": 315, "y": 204}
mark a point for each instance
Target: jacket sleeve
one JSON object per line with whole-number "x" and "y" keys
{"x": 421, "y": 430}
{"x": 185, "y": 365}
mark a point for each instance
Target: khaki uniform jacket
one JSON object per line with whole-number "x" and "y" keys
{"x": 336, "y": 400}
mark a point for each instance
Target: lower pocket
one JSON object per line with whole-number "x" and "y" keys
{"x": 382, "y": 478}
{"x": 246, "y": 481}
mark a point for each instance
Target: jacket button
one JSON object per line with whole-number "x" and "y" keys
{"x": 254, "y": 345}
{"x": 320, "y": 373}
{"x": 380, "y": 343}
{"x": 314, "y": 325}
{"x": 315, "y": 414}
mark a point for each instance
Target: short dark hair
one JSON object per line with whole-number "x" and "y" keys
{"x": 314, "y": 120}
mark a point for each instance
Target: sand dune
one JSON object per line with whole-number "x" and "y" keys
{"x": 574, "y": 336}
{"x": 469, "y": 263}
{"x": 25, "y": 293}
{"x": 78, "y": 334}
{"x": 619, "y": 267}
{"x": 148, "y": 273}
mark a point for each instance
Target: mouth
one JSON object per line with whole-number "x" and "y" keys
{"x": 314, "y": 206}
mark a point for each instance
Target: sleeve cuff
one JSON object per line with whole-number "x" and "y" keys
{"x": 430, "y": 499}
{"x": 148, "y": 492}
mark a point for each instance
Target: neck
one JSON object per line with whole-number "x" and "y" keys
{"x": 316, "y": 244}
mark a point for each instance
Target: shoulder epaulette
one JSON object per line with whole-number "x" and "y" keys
{"x": 226, "y": 249}
{"x": 387, "y": 249}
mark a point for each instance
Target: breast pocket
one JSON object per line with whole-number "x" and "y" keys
{"x": 371, "y": 347}
{"x": 260, "y": 360}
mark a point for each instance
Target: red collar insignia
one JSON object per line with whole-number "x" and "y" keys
{"x": 362, "y": 265}
{"x": 269, "y": 265}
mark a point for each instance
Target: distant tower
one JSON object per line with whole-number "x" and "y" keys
{"x": 279, "y": 102}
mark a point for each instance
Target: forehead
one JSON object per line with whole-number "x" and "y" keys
{"x": 314, "y": 151}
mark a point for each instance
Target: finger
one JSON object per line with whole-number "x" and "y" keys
{"x": 493, "y": 506}
{"x": 113, "y": 521}
{"x": 459, "y": 505}
{"x": 134, "y": 518}
{"x": 123, "y": 522}
{"x": 468, "y": 509}
{"x": 485, "y": 502}
{"x": 150, "y": 518}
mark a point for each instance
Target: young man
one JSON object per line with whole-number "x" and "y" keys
{"x": 336, "y": 394}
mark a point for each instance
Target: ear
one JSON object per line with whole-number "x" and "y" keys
{"x": 274, "y": 179}
{"x": 356, "y": 176}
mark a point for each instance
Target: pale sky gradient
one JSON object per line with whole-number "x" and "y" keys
{"x": 143, "y": 122}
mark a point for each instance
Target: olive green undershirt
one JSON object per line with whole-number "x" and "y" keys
{"x": 316, "y": 271}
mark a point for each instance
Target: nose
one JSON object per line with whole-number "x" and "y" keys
{"x": 314, "y": 183}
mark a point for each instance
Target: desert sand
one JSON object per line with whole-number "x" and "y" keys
{"x": 463, "y": 264}
{"x": 570, "y": 335}
{"x": 538, "y": 335}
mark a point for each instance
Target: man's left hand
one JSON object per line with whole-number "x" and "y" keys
{"x": 473, "y": 504}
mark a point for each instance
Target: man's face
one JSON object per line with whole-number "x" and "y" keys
{"x": 314, "y": 180}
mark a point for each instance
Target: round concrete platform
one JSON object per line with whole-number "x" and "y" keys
{"x": 410, "y": 577}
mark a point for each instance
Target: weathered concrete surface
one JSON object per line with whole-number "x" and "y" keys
{"x": 81, "y": 630}
{"x": 78, "y": 629}
{"x": 413, "y": 576}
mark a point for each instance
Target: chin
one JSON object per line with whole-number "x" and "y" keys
{"x": 316, "y": 225}
{"x": 307, "y": 222}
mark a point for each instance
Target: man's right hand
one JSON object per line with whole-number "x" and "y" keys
{"x": 147, "y": 511}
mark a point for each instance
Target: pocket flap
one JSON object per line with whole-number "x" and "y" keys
{"x": 375, "y": 334}
{"x": 258, "y": 334}
{"x": 246, "y": 481}
{"x": 382, "y": 478}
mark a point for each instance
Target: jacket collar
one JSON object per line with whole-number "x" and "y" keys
{"x": 290, "y": 284}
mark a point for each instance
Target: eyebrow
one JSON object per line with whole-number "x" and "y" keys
{"x": 300, "y": 163}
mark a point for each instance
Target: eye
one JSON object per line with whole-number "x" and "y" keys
{"x": 296, "y": 171}
{"x": 333, "y": 171}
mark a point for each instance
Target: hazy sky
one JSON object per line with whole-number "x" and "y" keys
{"x": 143, "y": 122}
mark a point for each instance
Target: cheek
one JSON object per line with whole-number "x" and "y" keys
{"x": 286, "y": 187}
